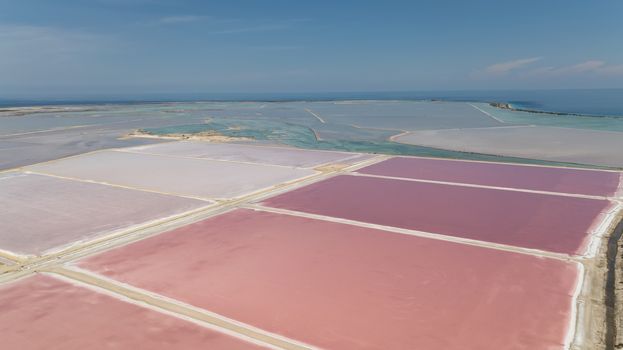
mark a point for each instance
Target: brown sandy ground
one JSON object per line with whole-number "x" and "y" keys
{"x": 211, "y": 136}
{"x": 616, "y": 288}
{"x": 600, "y": 304}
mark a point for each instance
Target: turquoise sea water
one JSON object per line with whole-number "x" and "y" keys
{"x": 347, "y": 122}
{"x": 300, "y": 136}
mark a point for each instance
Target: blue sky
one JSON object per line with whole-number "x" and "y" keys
{"x": 72, "y": 47}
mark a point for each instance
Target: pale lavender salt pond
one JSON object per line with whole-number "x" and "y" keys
{"x": 246, "y": 153}
{"x": 200, "y": 178}
{"x": 42, "y": 212}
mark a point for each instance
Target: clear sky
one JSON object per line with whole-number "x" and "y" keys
{"x": 70, "y": 47}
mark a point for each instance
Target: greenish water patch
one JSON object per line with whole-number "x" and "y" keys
{"x": 304, "y": 137}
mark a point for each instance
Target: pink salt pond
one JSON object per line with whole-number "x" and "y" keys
{"x": 42, "y": 312}
{"x": 566, "y": 180}
{"x": 345, "y": 287}
{"x": 530, "y": 220}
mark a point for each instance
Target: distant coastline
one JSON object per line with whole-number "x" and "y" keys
{"x": 510, "y": 107}
{"x": 582, "y": 103}
{"x": 21, "y": 109}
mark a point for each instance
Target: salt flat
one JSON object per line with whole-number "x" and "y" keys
{"x": 404, "y": 253}
{"x": 582, "y": 146}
